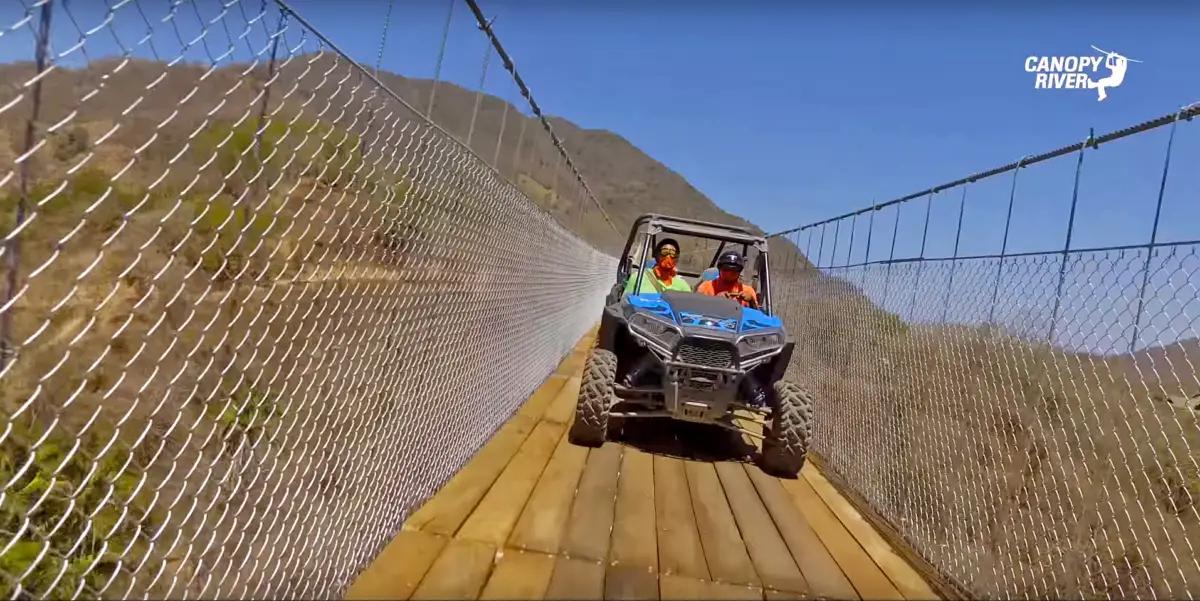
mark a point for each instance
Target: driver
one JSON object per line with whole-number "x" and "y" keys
{"x": 662, "y": 276}
{"x": 728, "y": 283}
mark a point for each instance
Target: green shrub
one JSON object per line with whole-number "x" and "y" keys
{"x": 82, "y": 511}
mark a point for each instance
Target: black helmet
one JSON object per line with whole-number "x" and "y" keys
{"x": 731, "y": 260}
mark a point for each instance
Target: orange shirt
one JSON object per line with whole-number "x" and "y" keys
{"x": 717, "y": 287}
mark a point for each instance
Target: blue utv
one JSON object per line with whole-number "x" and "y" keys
{"x": 691, "y": 356}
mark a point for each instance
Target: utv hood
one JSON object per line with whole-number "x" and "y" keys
{"x": 694, "y": 310}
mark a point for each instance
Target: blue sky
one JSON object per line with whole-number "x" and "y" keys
{"x": 789, "y": 115}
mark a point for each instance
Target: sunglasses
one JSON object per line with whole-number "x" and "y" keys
{"x": 668, "y": 252}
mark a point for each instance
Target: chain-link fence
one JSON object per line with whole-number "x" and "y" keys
{"x": 1027, "y": 420}
{"x": 255, "y": 306}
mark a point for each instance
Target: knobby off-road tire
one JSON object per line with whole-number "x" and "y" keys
{"x": 596, "y": 396}
{"x": 786, "y": 444}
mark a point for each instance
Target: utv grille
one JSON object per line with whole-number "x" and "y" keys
{"x": 707, "y": 353}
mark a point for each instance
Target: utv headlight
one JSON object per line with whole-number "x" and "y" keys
{"x": 753, "y": 345}
{"x": 658, "y": 331}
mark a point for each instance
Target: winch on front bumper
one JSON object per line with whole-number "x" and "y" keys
{"x": 700, "y": 382}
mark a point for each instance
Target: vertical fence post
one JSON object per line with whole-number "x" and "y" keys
{"x": 1012, "y": 196}
{"x": 12, "y": 249}
{"x": 487, "y": 56}
{"x": 867, "y": 254}
{"x": 921, "y": 256}
{"x": 554, "y": 195}
{"x": 837, "y": 233}
{"x": 1062, "y": 268}
{"x": 962, "y": 201}
{"x": 516, "y": 162}
{"x": 387, "y": 21}
{"x": 500, "y": 137}
{"x": 850, "y": 249}
{"x": 887, "y": 277}
{"x": 821, "y": 248}
{"x": 808, "y": 246}
{"x": 1150, "y": 247}
{"x": 437, "y": 71}
{"x": 264, "y": 119}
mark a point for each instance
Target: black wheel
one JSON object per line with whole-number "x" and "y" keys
{"x": 596, "y": 396}
{"x": 785, "y": 445}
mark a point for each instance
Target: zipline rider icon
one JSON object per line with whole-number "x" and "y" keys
{"x": 1077, "y": 72}
{"x": 1117, "y": 65}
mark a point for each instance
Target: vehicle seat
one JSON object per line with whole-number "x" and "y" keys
{"x": 709, "y": 274}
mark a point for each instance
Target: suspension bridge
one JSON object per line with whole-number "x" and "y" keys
{"x": 256, "y": 340}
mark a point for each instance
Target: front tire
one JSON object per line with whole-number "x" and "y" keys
{"x": 785, "y": 446}
{"x": 596, "y": 395}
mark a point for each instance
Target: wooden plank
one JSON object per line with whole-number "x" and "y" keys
{"x": 672, "y": 586}
{"x": 459, "y": 572}
{"x": 679, "y": 549}
{"x": 562, "y": 408}
{"x": 396, "y": 572}
{"x": 634, "y": 543}
{"x": 520, "y": 575}
{"x": 576, "y": 579}
{"x": 867, "y": 578}
{"x": 590, "y": 526}
{"x": 774, "y": 595}
{"x": 824, "y": 576}
{"x": 494, "y": 518}
{"x": 768, "y": 551}
{"x": 903, "y": 576}
{"x": 572, "y": 365}
{"x": 544, "y": 520}
{"x": 536, "y": 406}
{"x": 748, "y": 420}
{"x": 449, "y": 508}
{"x": 724, "y": 550}
{"x": 630, "y": 583}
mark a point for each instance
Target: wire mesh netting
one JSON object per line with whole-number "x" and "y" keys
{"x": 1027, "y": 421}
{"x": 256, "y": 307}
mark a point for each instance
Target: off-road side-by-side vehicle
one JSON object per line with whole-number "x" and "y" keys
{"x": 691, "y": 356}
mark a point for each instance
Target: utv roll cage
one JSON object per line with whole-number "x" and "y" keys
{"x": 656, "y": 225}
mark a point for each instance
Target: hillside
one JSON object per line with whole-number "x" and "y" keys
{"x": 1173, "y": 366}
{"x": 625, "y": 180}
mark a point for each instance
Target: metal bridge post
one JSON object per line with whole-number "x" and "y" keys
{"x": 1062, "y": 268}
{"x": 1150, "y": 246}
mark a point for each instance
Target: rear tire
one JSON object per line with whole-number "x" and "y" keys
{"x": 596, "y": 397}
{"x": 785, "y": 446}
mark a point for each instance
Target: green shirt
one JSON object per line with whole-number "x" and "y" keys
{"x": 650, "y": 279}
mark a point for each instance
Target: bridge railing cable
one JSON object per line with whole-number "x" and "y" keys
{"x": 256, "y": 305}
{"x": 486, "y": 26}
{"x": 1009, "y": 375}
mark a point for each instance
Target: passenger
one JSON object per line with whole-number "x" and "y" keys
{"x": 728, "y": 284}
{"x": 662, "y": 276}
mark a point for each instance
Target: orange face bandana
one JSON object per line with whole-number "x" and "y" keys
{"x": 730, "y": 276}
{"x": 665, "y": 267}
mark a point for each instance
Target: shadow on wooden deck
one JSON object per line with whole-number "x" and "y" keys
{"x": 672, "y": 511}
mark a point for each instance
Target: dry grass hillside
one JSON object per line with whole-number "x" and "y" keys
{"x": 182, "y": 262}
{"x": 1017, "y": 469}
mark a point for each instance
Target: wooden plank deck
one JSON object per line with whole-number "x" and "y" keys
{"x": 532, "y": 516}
